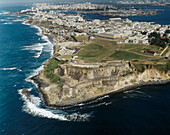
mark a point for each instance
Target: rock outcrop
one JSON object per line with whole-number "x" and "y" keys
{"x": 87, "y": 81}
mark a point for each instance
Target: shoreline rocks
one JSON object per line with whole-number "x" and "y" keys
{"x": 63, "y": 106}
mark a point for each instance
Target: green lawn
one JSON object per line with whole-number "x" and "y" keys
{"x": 139, "y": 47}
{"x": 120, "y": 55}
{"x": 150, "y": 48}
{"x": 95, "y": 50}
{"x": 49, "y": 71}
{"x": 92, "y": 52}
{"x": 130, "y": 46}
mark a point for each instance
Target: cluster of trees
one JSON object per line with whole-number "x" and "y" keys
{"x": 158, "y": 40}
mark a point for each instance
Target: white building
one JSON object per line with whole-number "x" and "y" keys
{"x": 137, "y": 39}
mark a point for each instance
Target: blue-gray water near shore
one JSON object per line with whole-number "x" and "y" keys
{"x": 23, "y": 51}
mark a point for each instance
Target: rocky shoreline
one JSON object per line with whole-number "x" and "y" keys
{"x": 41, "y": 84}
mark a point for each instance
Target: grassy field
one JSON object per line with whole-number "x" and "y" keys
{"x": 139, "y": 48}
{"x": 49, "y": 71}
{"x": 136, "y": 52}
{"x": 120, "y": 55}
{"x": 107, "y": 50}
{"x": 96, "y": 49}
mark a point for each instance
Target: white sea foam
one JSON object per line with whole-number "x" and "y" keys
{"x": 7, "y": 23}
{"x": 36, "y": 47}
{"x": 45, "y": 38}
{"x": 13, "y": 68}
{"x": 19, "y": 70}
{"x": 24, "y": 23}
{"x": 38, "y": 28}
{"x": 136, "y": 94}
{"x": 36, "y": 71}
{"x": 34, "y": 109}
{"x": 33, "y": 106}
{"x": 39, "y": 46}
{"x": 36, "y": 100}
{"x": 100, "y": 104}
{"x": 94, "y": 101}
{"x": 18, "y": 20}
{"x": 142, "y": 94}
{"x": 30, "y": 80}
{"x": 2, "y": 20}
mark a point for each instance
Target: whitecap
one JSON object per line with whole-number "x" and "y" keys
{"x": 142, "y": 94}
{"x": 44, "y": 38}
{"x": 13, "y": 68}
{"x": 36, "y": 100}
{"x": 36, "y": 47}
{"x": 34, "y": 109}
{"x": 38, "y": 28}
{"x": 100, "y": 104}
{"x": 39, "y": 47}
{"x": 7, "y": 23}
{"x": 24, "y": 23}
{"x": 2, "y": 20}
{"x": 94, "y": 101}
{"x": 36, "y": 71}
{"x": 18, "y": 20}
{"x": 19, "y": 70}
{"x": 136, "y": 94}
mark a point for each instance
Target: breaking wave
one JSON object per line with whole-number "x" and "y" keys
{"x": 100, "y": 104}
{"x": 24, "y": 23}
{"x": 7, "y": 23}
{"x": 33, "y": 107}
{"x": 36, "y": 71}
{"x": 2, "y": 20}
{"x": 18, "y": 20}
{"x": 38, "y": 28}
{"x": 39, "y": 46}
{"x": 136, "y": 94}
{"x": 13, "y": 68}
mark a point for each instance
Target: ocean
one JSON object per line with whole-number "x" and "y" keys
{"x": 23, "y": 52}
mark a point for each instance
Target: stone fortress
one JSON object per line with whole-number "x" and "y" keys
{"x": 87, "y": 81}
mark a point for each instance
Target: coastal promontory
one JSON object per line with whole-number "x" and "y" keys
{"x": 94, "y": 57}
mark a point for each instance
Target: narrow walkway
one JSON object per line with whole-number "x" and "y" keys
{"x": 164, "y": 51}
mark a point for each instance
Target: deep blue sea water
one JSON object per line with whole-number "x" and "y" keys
{"x": 23, "y": 51}
{"x": 161, "y": 18}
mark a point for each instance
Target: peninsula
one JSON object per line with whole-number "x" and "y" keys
{"x": 96, "y": 57}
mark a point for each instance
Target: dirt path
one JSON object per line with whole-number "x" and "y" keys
{"x": 109, "y": 53}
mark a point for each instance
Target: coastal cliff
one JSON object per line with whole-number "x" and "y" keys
{"x": 87, "y": 81}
